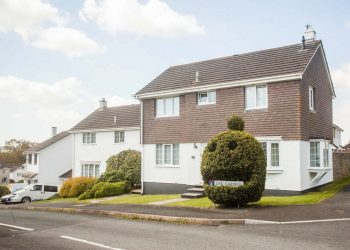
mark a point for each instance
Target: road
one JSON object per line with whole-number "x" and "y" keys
{"x": 21, "y": 229}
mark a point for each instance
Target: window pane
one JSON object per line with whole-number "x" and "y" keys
{"x": 325, "y": 158}
{"x": 167, "y": 154}
{"x": 97, "y": 170}
{"x": 212, "y": 97}
{"x": 93, "y": 138}
{"x": 116, "y": 136}
{"x": 91, "y": 170}
{"x": 202, "y": 98}
{"x": 121, "y": 136}
{"x": 86, "y": 174}
{"x": 82, "y": 170}
{"x": 159, "y": 154}
{"x": 275, "y": 162}
{"x": 315, "y": 154}
{"x": 84, "y": 137}
{"x": 250, "y": 97}
{"x": 159, "y": 107}
{"x": 261, "y": 96}
{"x": 176, "y": 154}
{"x": 168, "y": 106}
{"x": 176, "y": 107}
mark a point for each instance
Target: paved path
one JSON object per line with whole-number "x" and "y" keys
{"x": 69, "y": 231}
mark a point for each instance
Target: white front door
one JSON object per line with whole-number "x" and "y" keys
{"x": 194, "y": 164}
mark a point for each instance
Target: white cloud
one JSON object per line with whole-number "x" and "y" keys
{"x": 70, "y": 41}
{"x": 347, "y": 25}
{"x": 341, "y": 111}
{"x": 41, "y": 25}
{"x": 153, "y": 18}
{"x": 35, "y": 106}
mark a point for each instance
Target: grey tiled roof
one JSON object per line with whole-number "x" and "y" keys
{"x": 67, "y": 174}
{"x": 103, "y": 118}
{"x": 265, "y": 63}
{"x": 48, "y": 142}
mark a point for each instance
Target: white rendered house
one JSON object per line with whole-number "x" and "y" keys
{"x": 105, "y": 132}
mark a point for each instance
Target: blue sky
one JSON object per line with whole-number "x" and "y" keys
{"x": 55, "y": 82}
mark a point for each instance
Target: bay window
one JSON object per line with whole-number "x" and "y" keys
{"x": 315, "y": 154}
{"x": 272, "y": 153}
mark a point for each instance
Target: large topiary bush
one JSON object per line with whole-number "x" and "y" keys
{"x": 74, "y": 187}
{"x": 4, "y": 191}
{"x": 234, "y": 156}
{"x": 125, "y": 166}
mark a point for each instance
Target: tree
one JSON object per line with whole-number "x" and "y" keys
{"x": 18, "y": 148}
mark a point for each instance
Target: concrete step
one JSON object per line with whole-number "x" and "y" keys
{"x": 195, "y": 190}
{"x": 192, "y": 195}
{"x": 198, "y": 186}
{"x": 136, "y": 191}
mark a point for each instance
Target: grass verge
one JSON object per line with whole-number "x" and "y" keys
{"x": 140, "y": 199}
{"x": 324, "y": 193}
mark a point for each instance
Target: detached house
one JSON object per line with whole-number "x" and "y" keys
{"x": 284, "y": 95}
{"x": 105, "y": 132}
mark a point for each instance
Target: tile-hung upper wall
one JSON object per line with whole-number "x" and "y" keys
{"x": 198, "y": 123}
{"x": 318, "y": 124}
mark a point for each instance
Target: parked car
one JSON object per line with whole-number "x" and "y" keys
{"x": 31, "y": 193}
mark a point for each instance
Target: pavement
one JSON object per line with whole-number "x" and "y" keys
{"x": 23, "y": 229}
{"x": 335, "y": 208}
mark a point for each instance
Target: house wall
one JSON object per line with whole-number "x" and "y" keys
{"x": 316, "y": 124}
{"x": 102, "y": 149}
{"x": 30, "y": 166}
{"x": 341, "y": 165}
{"x": 55, "y": 160}
{"x": 17, "y": 174}
{"x": 198, "y": 123}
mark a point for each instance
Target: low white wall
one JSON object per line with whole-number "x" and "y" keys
{"x": 102, "y": 149}
{"x": 55, "y": 160}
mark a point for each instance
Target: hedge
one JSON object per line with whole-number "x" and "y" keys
{"x": 4, "y": 191}
{"x": 105, "y": 189}
{"x": 74, "y": 187}
{"x": 234, "y": 156}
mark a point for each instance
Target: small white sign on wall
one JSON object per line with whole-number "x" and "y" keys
{"x": 226, "y": 183}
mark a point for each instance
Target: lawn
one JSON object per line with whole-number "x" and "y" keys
{"x": 310, "y": 198}
{"x": 140, "y": 199}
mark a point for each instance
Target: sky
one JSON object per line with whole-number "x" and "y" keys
{"x": 58, "y": 58}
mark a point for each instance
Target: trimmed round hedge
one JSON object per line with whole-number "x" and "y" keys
{"x": 234, "y": 156}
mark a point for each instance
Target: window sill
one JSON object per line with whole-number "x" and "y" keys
{"x": 263, "y": 109}
{"x": 167, "y": 117}
{"x": 206, "y": 105}
{"x": 167, "y": 166}
{"x": 277, "y": 170}
{"x": 88, "y": 144}
{"x": 119, "y": 143}
{"x": 312, "y": 111}
{"x": 318, "y": 169}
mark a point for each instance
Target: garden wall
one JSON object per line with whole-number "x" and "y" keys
{"x": 341, "y": 165}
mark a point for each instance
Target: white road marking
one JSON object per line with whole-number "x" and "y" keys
{"x": 89, "y": 242}
{"x": 17, "y": 227}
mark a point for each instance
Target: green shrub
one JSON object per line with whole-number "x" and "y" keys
{"x": 89, "y": 194}
{"x": 74, "y": 187}
{"x": 235, "y": 123}
{"x": 4, "y": 191}
{"x": 110, "y": 189}
{"x": 234, "y": 156}
{"x": 125, "y": 166}
{"x": 20, "y": 181}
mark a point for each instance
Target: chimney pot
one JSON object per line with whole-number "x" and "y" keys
{"x": 103, "y": 103}
{"x": 310, "y": 33}
{"x": 54, "y": 131}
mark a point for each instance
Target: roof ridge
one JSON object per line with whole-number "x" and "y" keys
{"x": 245, "y": 53}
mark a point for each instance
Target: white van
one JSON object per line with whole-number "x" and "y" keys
{"x": 33, "y": 192}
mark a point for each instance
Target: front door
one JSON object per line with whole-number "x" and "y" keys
{"x": 194, "y": 166}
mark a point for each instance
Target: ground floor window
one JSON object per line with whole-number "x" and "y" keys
{"x": 272, "y": 153}
{"x": 167, "y": 154}
{"x": 315, "y": 154}
{"x": 90, "y": 170}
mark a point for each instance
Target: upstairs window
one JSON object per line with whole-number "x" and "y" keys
{"x": 167, "y": 107}
{"x": 119, "y": 136}
{"x": 208, "y": 97}
{"x": 256, "y": 97}
{"x": 30, "y": 159}
{"x": 311, "y": 98}
{"x": 89, "y": 138}
{"x": 167, "y": 154}
{"x": 35, "y": 159}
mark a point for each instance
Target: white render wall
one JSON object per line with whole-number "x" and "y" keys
{"x": 55, "y": 160}
{"x": 293, "y": 175}
{"x": 102, "y": 149}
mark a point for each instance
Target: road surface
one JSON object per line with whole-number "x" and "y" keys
{"x": 20, "y": 229}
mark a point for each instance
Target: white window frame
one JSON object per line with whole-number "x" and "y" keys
{"x": 161, "y": 104}
{"x": 311, "y": 98}
{"x": 207, "y": 101}
{"x": 85, "y": 169}
{"x": 162, "y": 152}
{"x": 324, "y": 155}
{"x": 89, "y": 138}
{"x": 269, "y": 154}
{"x": 119, "y": 132}
{"x": 256, "y": 96}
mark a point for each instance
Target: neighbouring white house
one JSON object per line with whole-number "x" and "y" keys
{"x": 105, "y": 132}
{"x": 337, "y": 133}
{"x": 17, "y": 172}
{"x": 48, "y": 160}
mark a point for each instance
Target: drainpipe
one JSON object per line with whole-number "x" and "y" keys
{"x": 142, "y": 155}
